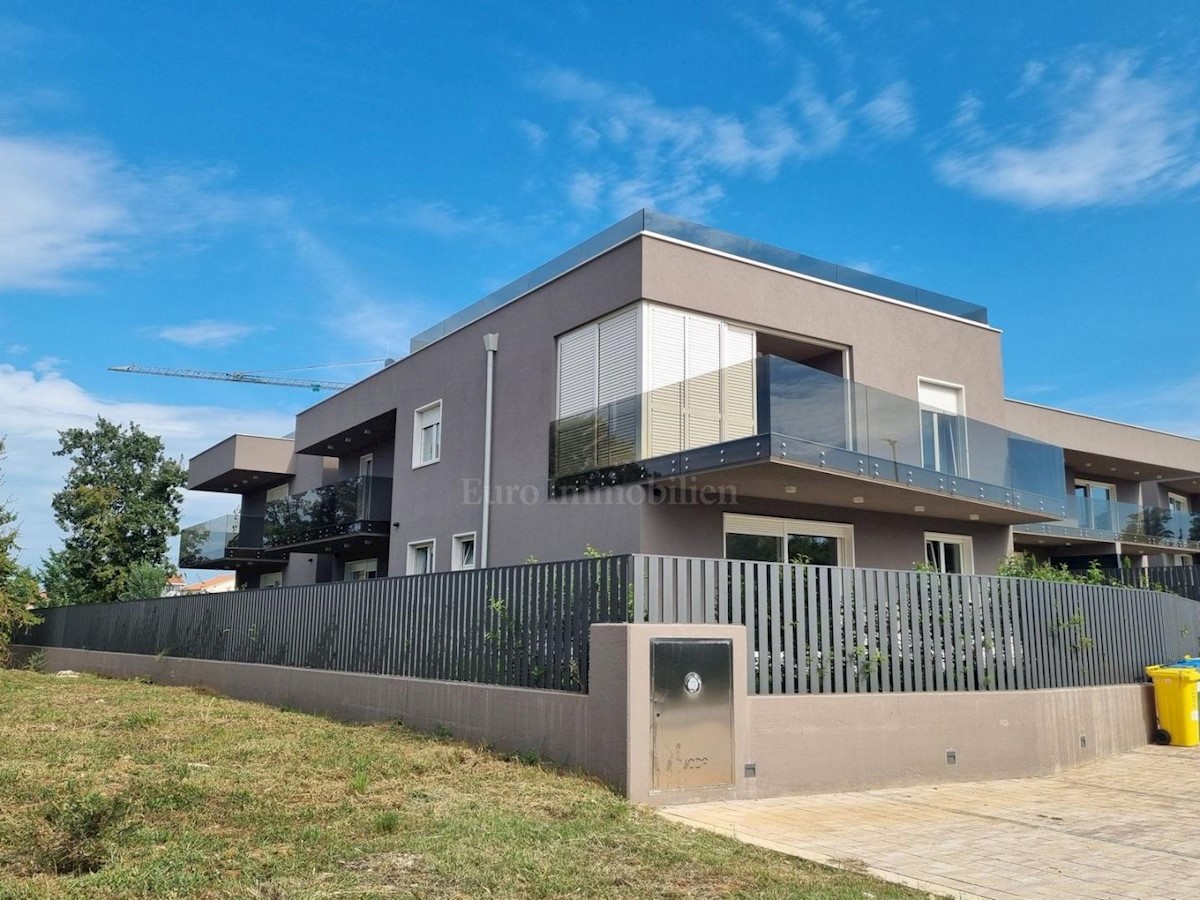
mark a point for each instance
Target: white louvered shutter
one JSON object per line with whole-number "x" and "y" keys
{"x": 577, "y": 372}
{"x": 702, "y": 394}
{"x": 617, "y": 389}
{"x": 666, "y": 371}
{"x": 738, "y": 384}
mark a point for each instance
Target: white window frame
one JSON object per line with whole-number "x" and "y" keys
{"x": 456, "y": 555}
{"x": 274, "y": 493}
{"x": 410, "y": 562}
{"x": 361, "y": 565}
{"x": 276, "y": 579}
{"x": 1183, "y": 559}
{"x": 1112, "y": 501}
{"x": 966, "y": 548}
{"x": 771, "y": 526}
{"x": 1185, "y": 505}
{"x": 417, "y": 444}
{"x": 961, "y": 390}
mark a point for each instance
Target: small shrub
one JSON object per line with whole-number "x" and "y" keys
{"x": 36, "y": 661}
{"x": 529, "y": 758}
{"x": 442, "y": 732}
{"x": 387, "y": 822}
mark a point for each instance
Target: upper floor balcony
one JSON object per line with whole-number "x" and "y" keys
{"x": 242, "y": 463}
{"x": 330, "y": 518}
{"x": 1113, "y": 521}
{"x": 232, "y": 541}
{"x": 777, "y": 412}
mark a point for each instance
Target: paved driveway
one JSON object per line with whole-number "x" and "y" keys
{"x": 1128, "y": 826}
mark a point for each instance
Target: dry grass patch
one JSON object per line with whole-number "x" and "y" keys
{"x": 118, "y": 789}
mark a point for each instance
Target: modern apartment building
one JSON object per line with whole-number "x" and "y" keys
{"x": 668, "y": 388}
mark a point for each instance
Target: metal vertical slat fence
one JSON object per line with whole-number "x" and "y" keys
{"x": 522, "y": 626}
{"x": 821, "y": 629}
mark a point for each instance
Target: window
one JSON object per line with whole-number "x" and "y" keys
{"x": 420, "y": 557}
{"x": 943, "y": 428}
{"x": 361, "y": 569}
{"x": 464, "y": 551}
{"x": 766, "y": 539}
{"x": 366, "y": 467}
{"x": 699, "y": 375}
{"x": 279, "y": 492}
{"x": 1095, "y": 504}
{"x": 270, "y": 579}
{"x": 1183, "y": 559}
{"x": 1177, "y": 503}
{"x": 427, "y": 434}
{"x": 952, "y": 554}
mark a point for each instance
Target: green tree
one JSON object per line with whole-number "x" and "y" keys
{"x": 145, "y": 580}
{"x": 18, "y": 588}
{"x": 119, "y": 505}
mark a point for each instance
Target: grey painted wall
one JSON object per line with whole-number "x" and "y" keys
{"x": 880, "y": 540}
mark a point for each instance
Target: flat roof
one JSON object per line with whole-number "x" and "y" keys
{"x": 647, "y": 221}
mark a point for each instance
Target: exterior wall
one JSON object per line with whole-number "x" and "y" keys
{"x": 854, "y": 742}
{"x": 1075, "y": 431}
{"x": 881, "y": 540}
{"x": 553, "y": 723}
{"x": 441, "y": 500}
{"x": 892, "y": 345}
{"x": 795, "y": 744}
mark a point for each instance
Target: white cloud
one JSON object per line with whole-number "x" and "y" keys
{"x": 1111, "y": 135}
{"x": 890, "y": 113}
{"x": 35, "y": 406}
{"x": 673, "y": 157}
{"x": 73, "y": 206}
{"x": 371, "y": 323}
{"x": 583, "y": 189}
{"x": 533, "y": 133}
{"x": 205, "y": 333}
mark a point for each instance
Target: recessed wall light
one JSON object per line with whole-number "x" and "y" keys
{"x": 859, "y": 499}
{"x": 974, "y": 517}
{"x": 1112, "y": 468}
{"x": 790, "y": 489}
{"x": 918, "y": 509}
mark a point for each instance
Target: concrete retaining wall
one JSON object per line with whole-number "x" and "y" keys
{"x": 553, "y": 723}
{"x": 853, "y": 742}
{"x": 795, "y": 744}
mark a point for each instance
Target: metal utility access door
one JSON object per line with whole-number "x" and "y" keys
{"x": 691, "y": 703}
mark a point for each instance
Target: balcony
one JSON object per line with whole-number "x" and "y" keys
{"x": 1111, "y": 522}
{"x": 349, "y": 514}
{"x": 227, "y": 542}
{"x": 802, "y": 417}
{"x": 242, "y": 463}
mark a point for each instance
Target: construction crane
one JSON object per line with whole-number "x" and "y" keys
{"x": 243, "y": 377}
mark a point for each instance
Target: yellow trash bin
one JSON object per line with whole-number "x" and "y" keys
{"x": 1175, "y": 700}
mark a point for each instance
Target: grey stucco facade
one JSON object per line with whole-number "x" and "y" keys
{"x": 881, "y": 343}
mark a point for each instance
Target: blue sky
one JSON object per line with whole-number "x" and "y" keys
{"x": 249, "y": 186}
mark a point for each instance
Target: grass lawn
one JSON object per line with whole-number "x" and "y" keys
{"x": 123, "y": 789}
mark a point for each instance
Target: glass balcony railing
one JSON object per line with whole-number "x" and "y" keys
{"x": 355, "y": 506}
{"x": 1111, "y": 521}
{"x": 219, "y": 540}
{"x": 775, "y": 407}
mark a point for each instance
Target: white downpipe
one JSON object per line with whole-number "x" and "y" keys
{"x": 490, "y": 344}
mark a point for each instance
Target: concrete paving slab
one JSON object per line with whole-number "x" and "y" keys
{"x": 1126, "y": 826}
